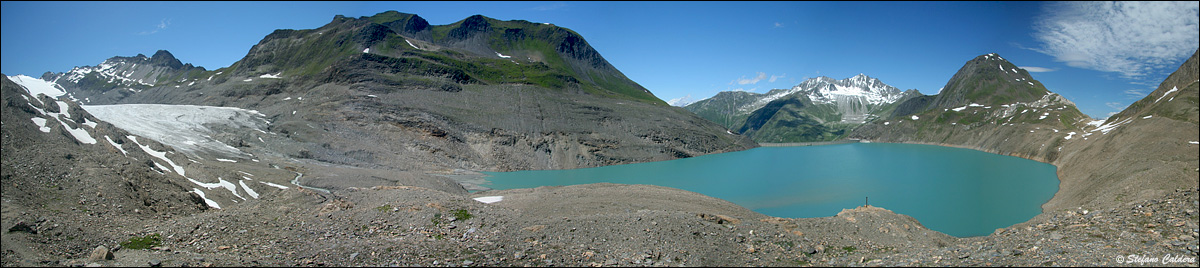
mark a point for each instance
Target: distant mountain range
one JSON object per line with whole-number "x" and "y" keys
{"x": 819, "y": 109}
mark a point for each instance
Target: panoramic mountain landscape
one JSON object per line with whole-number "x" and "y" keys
{"x": 366, "y": 142}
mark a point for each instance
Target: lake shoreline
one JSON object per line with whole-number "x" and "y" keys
{"x": 815, "y": 143}
{"x": 838, "y": 169}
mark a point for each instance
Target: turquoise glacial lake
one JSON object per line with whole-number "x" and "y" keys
{"x": 960, "y": 192}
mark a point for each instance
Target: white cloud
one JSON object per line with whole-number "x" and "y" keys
{"x": 776, "y": 77}
{"x": 161, "y": 25}
{"x": 759, "y": 77}
{"x": 681, "y": 101}
{"x": 1135, "y": 39}
{"x": 1033, "y": 69}
{"x": 1115, "y": 105}
{"x": 778, "y": 25}
{"x": 1134, "y": 93}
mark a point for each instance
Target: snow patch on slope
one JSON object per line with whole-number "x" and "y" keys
{"x": 160, "y": 155}
{"x": 221, "y": 183}
{"x": 1104, "y": 129}
{"x": 1173, "y": 89}
{"x": 114, "y": 144}
{"x": 207, "y": 201}
{"x": 489, "y": 199}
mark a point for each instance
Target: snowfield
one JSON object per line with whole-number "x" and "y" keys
{"x": 183, "y": 127}
{"x": 37, "y": 86}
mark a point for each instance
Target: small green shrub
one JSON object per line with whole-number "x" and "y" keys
{"x": 462, "y": 214}
{"x": 384, "y": 208}
{"x": 145, "y": 242}
{"x": 849, "y": 248}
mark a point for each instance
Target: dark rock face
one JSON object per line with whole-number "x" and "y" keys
{"x": 476, "y": 24}
{"x": 577, "y": 48}
{"x": 371, "y": 34}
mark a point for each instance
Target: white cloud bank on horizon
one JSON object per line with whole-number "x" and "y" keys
{"x": 681, "y": 101}
{"x": 759, "y": 77}
{"x": 1135, "y": 39}
{"x": 776, "y": 77}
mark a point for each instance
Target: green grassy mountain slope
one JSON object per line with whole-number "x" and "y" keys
{"x": 1176, "y": 102}
{"x": 477, "y": 50}
{"x": 784, "y": 120}
{"x": 724, "y": 108}
{"x": 988, "y": 103}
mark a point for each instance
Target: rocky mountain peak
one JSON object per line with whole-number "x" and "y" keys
{"x": 860, "y": 87}
{"x": 861, "y": 78}
{"x": 989, "y": 79}
{"x": 164, "y": 58}
{"x": 470, "y": 26}
{"x": 403, "y": 23}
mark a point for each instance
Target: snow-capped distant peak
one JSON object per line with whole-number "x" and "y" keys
{"x": 853, "y": 97}
{"x": 870, "y": 90}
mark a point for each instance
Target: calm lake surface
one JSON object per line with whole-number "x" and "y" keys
{"x": 959, "y": 192}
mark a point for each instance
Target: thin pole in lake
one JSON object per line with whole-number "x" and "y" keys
{"x": 867, "y": 202}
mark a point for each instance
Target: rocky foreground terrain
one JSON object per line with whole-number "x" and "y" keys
{"x": 591, "y": 225}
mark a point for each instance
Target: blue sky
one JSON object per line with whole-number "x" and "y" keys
{"x": 1102, "y": 56}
